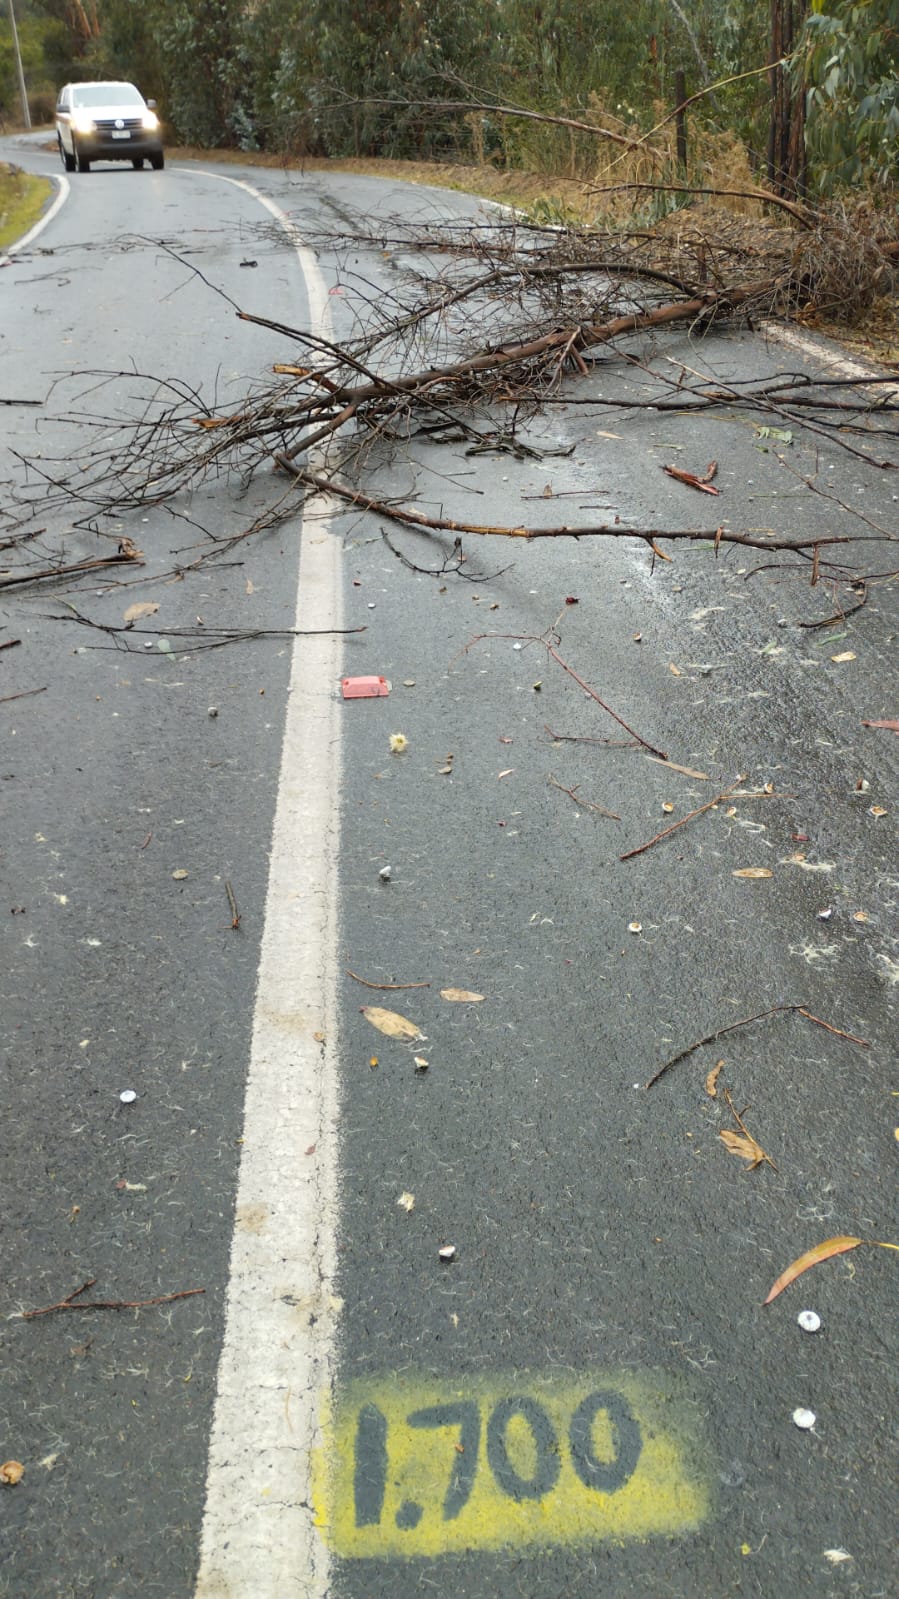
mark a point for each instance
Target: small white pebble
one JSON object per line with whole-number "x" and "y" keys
{"x": 804, "y": 1419}
{"x": 635, "y": 927}
{"x": 448, "y": 1252}
{"x": 128, "y": 1096}
{"x": 384, "y": 874}
{"x": 213, "y": 710}
{"x": 809, "y": 1321}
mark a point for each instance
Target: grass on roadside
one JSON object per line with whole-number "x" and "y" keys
{"x": 22, "y": 199}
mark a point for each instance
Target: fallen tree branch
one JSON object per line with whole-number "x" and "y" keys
{"x": 439, "y": 524}
{"x": 213, "y": 638}
{"x": 124, "y": 557}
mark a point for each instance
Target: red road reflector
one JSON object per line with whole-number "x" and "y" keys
{"x": 365, "y": 688}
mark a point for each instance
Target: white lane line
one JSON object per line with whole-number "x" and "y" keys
{"x": 829, "y": 356}
{"x": 258, "y": 1536}
{"x": 64, "y": 187}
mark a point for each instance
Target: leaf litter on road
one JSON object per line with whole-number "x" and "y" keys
{"x": 392, "y": 1024}
{"x": 813, "y": 1257}
{"x": 742, "y": 1143}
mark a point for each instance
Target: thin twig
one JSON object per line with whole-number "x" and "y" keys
{"x": 5, "y": 698}
{"x": 106, "y": 1304}
{"x": 10, "y": 643}
{"x": 575, "y": 738}
{"x": 589, "y": 805}
{"x": 534, "y": 638}
{"x": 840, "y": 616}
{"x": 836, "y": 1030}
{"x": 366, "y": 984}
{"x": 745, "y": 1021}
{"x": 232, "y": 905}
{"x": 726, "y": 793}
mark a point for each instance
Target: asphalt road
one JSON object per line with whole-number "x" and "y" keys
{"x": 588, "y": 1398}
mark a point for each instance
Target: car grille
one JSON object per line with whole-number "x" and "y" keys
{"x": 116, "y": 124}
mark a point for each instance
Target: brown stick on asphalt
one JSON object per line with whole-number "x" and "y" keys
{"x": 106, "y": 1304}
{"x": 762, "y": 1015}
{"x": 445, "y": 524}
{"x": 725, "y": 794}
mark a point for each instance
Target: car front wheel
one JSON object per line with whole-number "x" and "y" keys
{"x": 157, "y": 162}
{"x": 137, "y": 162}
{"x": 68, "y": 161}
{"x": 82, "y": 160}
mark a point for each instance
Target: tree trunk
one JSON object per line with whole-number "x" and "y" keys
{"x": 786, "y": 130}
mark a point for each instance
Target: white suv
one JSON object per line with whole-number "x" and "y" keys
{"x": 107, "y": 122}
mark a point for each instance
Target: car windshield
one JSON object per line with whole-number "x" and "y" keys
{"x": 99, "y": 94}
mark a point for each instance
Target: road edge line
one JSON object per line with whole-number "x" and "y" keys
{"x": 64, "y": 190}
{"x": 259, "y": 1539}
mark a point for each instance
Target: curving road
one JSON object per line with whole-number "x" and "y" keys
{"x": 587, "y": 1397}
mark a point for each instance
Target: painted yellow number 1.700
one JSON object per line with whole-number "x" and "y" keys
{"x": 413, "y": 1468}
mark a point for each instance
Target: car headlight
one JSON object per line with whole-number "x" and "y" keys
{"x": 149, "y": 121}
{"x": 82, "y": 122}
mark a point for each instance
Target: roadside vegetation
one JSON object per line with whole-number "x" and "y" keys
{"x": 805, "y": 93}
{"x": 22, "y": 199}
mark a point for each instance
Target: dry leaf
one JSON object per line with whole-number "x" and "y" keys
{"x": 825, "y": 1251}
{"x": 391, "y": 1023}
{"x": 691, "y": 479}
{"x": 744, "y": 1145}
{"x": 712, "y": 1080}
{"x": 11, "y": 1472}
{"x": 753, "y": 871}
{"x": 407, "y": 1202}
{"x": 142, "y": 608}
{"x": 675, "y": 670}
{"x": 460, "y": 995}
{"x": 847, "y": 655}
{"x": 889, "y": 723}
{"x": 507, "y": 773}
{"x": 250, "y": 588}
{"x": 601, "y": 434}
{"x": 180, "y": 875}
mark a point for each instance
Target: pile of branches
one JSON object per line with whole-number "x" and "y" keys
{"x": 544, "y": 303}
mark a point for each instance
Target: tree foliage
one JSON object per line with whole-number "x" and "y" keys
{"x": 351, "y": 76}
{"x": 850, "y": 62}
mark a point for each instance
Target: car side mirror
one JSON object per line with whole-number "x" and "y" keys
{"x": 151, "y": 105}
